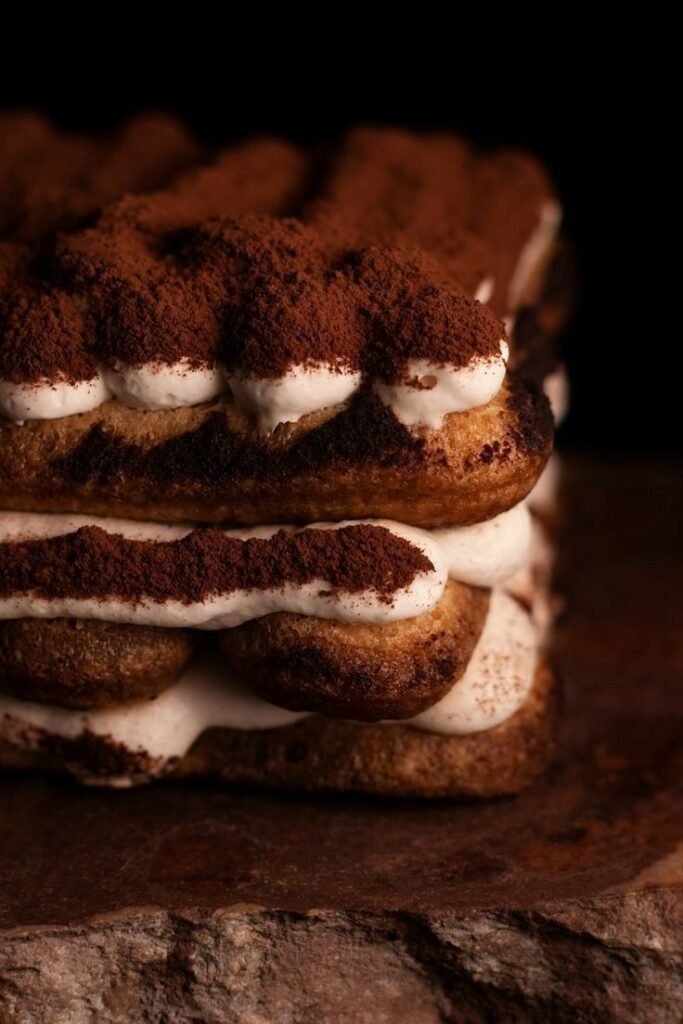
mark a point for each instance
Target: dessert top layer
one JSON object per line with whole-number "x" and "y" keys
{"x": 267, "y": 263}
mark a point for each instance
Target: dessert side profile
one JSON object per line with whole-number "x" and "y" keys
{"x": 277, "y": 493}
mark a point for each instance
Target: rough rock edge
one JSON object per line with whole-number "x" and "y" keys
{"x": 611, "y": 958}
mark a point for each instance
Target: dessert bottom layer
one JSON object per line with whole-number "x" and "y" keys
{"x": 318, "y": 754}
{"x": 399, "y": 760}
{"x": 142, "y": 740}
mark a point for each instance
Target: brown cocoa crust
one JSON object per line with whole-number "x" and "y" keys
{"x": 208, "y": 463}
{"x": 51, "y": 180}
{"x": 90, "y": 563}
{"x": 359, "y": 671}
{"x": 369, "y": 268}
{"x": 321, "y": 754}
{"x": 81, "y": 663}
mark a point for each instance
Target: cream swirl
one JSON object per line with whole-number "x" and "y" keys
{"x": 429, "y": 393}
{"x": 164, "y": 386}
{"x": 50, "y": 400}
{"x": 498, "y": 678}
{"x": 434, "y": 392}
{"x": 302, "y": 390}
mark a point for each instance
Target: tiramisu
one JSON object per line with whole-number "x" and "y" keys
{"x": 270, "y": 421}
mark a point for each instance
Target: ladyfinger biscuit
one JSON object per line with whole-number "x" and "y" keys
{"x": 82, "y": 663}
{"x": 207, "y": 463}
{"x": 395, "y": 760}
{"x": 357, "y": 671}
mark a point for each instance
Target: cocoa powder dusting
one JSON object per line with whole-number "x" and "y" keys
{"x": 409, "y": 312}
{"x": 52, "y": 180}
{"x": 367, "y": 276}
{"x": 42, "y": 333}
{"x": 534, "y": 428}
{"x": 91, "y": 563}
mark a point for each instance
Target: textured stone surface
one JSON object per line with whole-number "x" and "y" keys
{"x": 201, "y": 905}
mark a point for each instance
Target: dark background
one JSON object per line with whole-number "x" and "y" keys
{"x": 589, "y": 110}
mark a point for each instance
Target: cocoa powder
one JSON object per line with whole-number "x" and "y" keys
{"x": 51, "y": 180}
{"x": 209, "y": 267}
{"x": 91, "y": 563}
{"x": 43, "y": 332}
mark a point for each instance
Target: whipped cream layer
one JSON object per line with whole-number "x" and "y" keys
{"x": 498, "y": 678}
{"x": 494, "y": 686}
{"x": 485, "y": 290}
{"x": 556, "y": 388}
{"x": 303, "y": 390}
{"x": 51, "y": 400}
{"x": 543, "y": 497}
{"x": 151, "y": 386}
{"x": 164, "y": 386}
{"x": 430, "y": 391}
{"x": 485, "y": 555}
{"x": 435, "y": 392}
{"x": 535, "y": 253}
{"x": 532, "y": 585}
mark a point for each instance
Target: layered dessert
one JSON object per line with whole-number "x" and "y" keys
{"x": 274, "y": 429}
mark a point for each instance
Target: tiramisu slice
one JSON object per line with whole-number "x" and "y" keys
{"x": 318, "y": 341}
